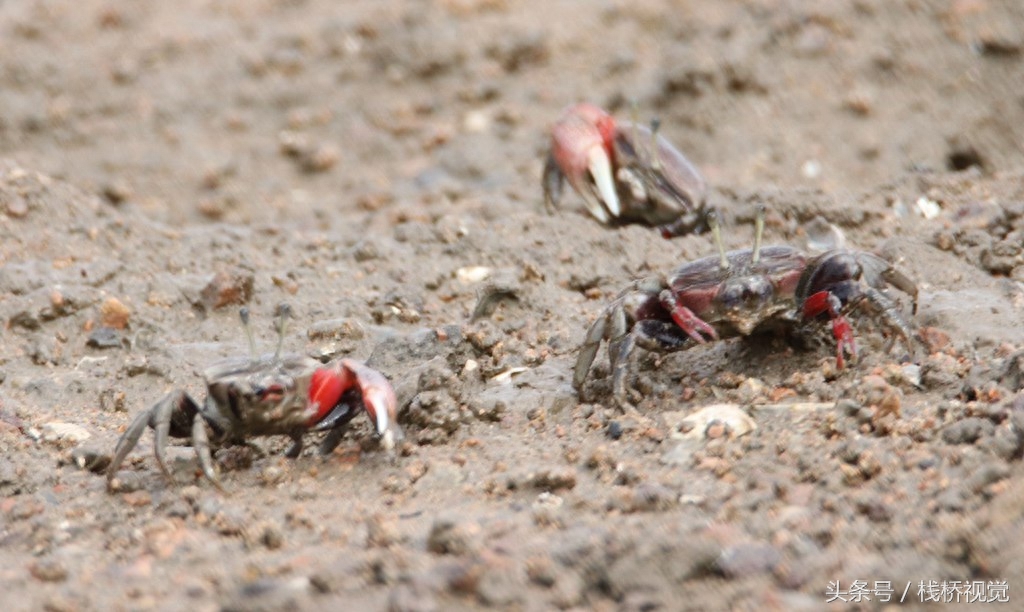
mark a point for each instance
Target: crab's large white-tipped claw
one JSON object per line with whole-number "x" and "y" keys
{"x": 382, "y": 404}
{"x": 378, "y": 399}
{"x": 600, "y": 167}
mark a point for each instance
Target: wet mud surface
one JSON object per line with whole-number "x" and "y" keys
{"x": 376, "y": 165}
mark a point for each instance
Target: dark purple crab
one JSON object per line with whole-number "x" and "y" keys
{"x": 742, "y": 293}
{"x": 266, "y": 395}
{"x": 625, "y": 172}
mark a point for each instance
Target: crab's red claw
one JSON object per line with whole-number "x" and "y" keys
{"x": 378, "y": 399}
{"x": 824, "y": 302}
{"x": 581, "y": 143}
{"x": 685, "y": 318}
{"x": 325, "y": 389}
{"x": 843, "y": 334}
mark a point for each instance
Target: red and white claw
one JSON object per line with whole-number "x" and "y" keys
{"x": 581, "y": 145}
{"x": 330, "y": 383}
{"x": 826, "y": 302}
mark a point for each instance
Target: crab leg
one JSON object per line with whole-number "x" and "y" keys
{"x": 168, "y": 417}
{"x": 161, "y": 423}
{"x": 650, "y": 334}
{"x": 588, "y": 351}
{"x": 620, "y": 350}
{"x": 902, "y": 282}
{"x": 201, "y": 442}
{"x": 336, "y": 422}
{"x": 127, "y": 443}
{"x": 886, "y": 309}
{"x": 552, "y": 182}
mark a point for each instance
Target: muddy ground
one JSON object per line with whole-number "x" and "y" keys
{"x": 376, "y": 165}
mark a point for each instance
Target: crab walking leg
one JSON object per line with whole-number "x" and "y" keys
{"x": 649, "y": 334}
{"x": 826, "y": 302}
{"x": 201, "y": 442}
{"x": 620, "y": 347}
{"x": 685, "y": 319}
{"x": 878, "y": 272}
{"x": 161, "y": 423}
{"x": 620, "y": 350}
{"x": 588, "y": 351}
{"x": 886, "y": 308}
{"x": 295, "y": 449}
{"x": 127, "y": 443}
{"x": 902, "y": 282}
{"x": 168, "y": 418}
{"x": 553, "y": 182}
{"x": 331, "y": 440}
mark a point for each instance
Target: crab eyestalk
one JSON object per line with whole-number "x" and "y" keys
{"x": 243, "y": 314}
{"x": 634, "y": 119}
{"x": 716, "y": 231}
{"x": 655, "y": 157}
{"x": 283, "y": 312}
{"x": 755, "y": 256}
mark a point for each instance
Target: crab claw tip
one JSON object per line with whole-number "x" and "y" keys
{"x": 388, "y": 440}
{"x": 600, "y": 167}
{"x": 382, "y": 406}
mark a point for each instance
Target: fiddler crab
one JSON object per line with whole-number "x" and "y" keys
{"x": 742, "y": 293}
{"x": 265, "y": 395}
{"x": 625, "y": 172}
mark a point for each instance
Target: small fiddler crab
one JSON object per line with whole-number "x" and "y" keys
{"x": 263, "y": 395}
{"x": 742, "y": 293}
{"x": 625, "y": 172}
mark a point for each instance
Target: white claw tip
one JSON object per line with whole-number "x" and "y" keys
{"x": 601, "y": 170}
{"x": 388, "y": 440}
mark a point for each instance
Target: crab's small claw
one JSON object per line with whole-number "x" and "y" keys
{"x": 685, "y": 318}
{"x": 824, "y": 302}
{"x": 581, "y": 150}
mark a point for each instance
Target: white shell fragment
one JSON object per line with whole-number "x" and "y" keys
{"x": 58, "y": 432}
{"x": 823, "y": 236}
{"x": 472, "y": 274}
{"x": 929, "y": 209}
{"x": 736, "y": 421}
{"x": 811, "y": 169}
{"x": 505, "y": 377}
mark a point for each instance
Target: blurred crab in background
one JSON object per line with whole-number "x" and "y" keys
{"x": 625, "y": 172}
{"x": 266, "y": 395}
{"x": 743, "y": 293}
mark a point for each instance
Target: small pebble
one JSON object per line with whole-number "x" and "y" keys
{"x": 746, "y": 560}
{"x": 114, "y": 314}
{"x": 138, "y": 498}
{"x": 554, "y": 479}
{"x": 104, "y": 337}
{"x": 614, "y": 430}
{"x": 451, "y": 537}
{"x": 225, "y": 289}
{"x": 48, "y": 570}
